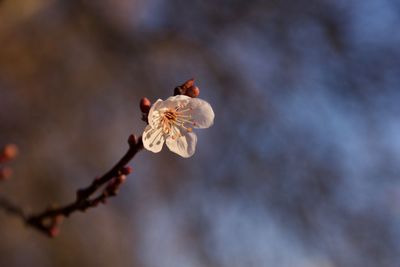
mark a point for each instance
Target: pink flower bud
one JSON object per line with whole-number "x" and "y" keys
{"x": 193, "y": 91}
{"x": 189, "y": 83}
{"x": 126, "y": 170}
{"x": 121, "y": 179}
{"x": 181, "y": 89}
{"x": 54, "y": 231}
{"x": 9, "y": 152}
{"x": 145, "y": 105}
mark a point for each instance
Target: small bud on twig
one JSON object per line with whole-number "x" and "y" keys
{"x": 145, "y": 105}
{"x": 126, "y": 170}
{"x": 54, "y": 231}
{"x": 193, "y": 91}
{"x": 181, "y": 89}
{"x": 113, "y": 186}
{"x": 188, "y": 88}
{"x": 189, "y": 83}
{"x": 9, "y": 152}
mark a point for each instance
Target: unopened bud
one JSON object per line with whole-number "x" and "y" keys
{"x": 54, "y": 231}
{"x": 193, "y": 91}
{"x": 181, "y": 90}
{"x": 113, "y": 186}
{"x": 145, "y": 105}
{"x": 126, "y": 170}
{"x": 189, "y": 83}
{"x": 121, "y": 179}
{"x": 9, "y": 152}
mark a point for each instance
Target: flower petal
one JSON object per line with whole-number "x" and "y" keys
{"x": 177, "y": 98}
{"x": 174, "y": 101}
{"x": 153, "y": 139}
{"x": 184, "y": 146}
{"x": 202, "y": 113}
{"x": 153, "y": 113}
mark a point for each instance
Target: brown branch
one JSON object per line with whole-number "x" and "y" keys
{"x": 11, "y": 208}
{"x": 48, "y": 220}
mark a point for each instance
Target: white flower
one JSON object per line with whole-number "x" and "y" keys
{"x": 172, "y": 121}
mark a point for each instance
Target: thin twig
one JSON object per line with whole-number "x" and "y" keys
{"x": 46, "y": 221}
{"x": 11, "y": 208}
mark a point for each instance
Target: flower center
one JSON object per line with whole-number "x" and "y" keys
{"x": 168, "y": 118}
{"x": 172, "y": 119}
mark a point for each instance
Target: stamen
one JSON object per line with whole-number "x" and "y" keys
{"x": 184, "y": 121}
{"x": 169, "y": 118}
{"x": 175, "y": 133}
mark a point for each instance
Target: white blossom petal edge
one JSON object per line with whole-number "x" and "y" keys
{"x": 172, "y": 122}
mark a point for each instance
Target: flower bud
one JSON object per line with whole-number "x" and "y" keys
{"x": 182, "y": 89}
{"x": 145, "y": 105}
{"x": 193, "y": 91}
{"x": 179, "y": 91}
{"x": 113, "y": 186}
{"x": 126, "y": 170}
{"x": 54, "y": 231}
{"x": 9, "y": 152}
{"x": 188, "y": 84}
{"x": 121, "y": 179}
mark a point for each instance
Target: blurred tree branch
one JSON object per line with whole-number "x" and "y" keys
{"x": 49, "y": 220}
{"x": 11, "y": 208}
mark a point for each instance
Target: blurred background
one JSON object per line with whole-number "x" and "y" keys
{"x": 301, "y": 167}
